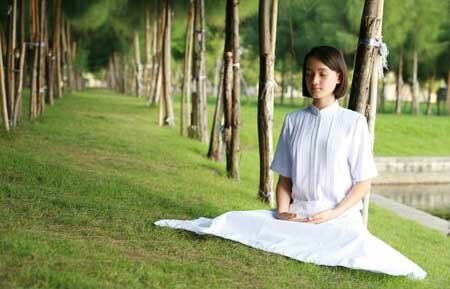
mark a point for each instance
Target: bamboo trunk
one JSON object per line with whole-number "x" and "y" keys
{"x": 187, "y": 76}
{"x": 265, "y": 102}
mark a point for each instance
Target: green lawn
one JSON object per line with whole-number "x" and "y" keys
{"x": 81, "y": 188}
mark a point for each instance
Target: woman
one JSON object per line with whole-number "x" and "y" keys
{"x": 325, "y": 164}
{"x": 324, "y": 154}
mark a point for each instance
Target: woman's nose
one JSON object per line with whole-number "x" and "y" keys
{"x": 315, "y": 79}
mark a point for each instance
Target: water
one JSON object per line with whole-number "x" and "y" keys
{"x": 434, "y": 199}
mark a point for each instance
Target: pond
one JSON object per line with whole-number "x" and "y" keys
{"x": 434, "y": 199}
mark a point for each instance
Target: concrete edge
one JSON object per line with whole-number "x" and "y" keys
{"x": 411, "y": 213}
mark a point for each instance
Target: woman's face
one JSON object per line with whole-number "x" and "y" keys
{"x": 320, "y": 79}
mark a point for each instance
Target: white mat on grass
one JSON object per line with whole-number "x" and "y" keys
{"x": 343, "y": 241}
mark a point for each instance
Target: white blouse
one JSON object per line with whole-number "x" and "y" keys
{"x": 325, "y": 152}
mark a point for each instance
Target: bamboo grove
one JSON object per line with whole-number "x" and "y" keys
{"x": 37, "y": 50}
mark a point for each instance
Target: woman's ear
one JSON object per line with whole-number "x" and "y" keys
{"x": 339, "y": 78}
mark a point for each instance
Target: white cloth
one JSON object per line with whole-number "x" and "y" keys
{"x": 343, "y": 241}
{"x": 325, "y": 152}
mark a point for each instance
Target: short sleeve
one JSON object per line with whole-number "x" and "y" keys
{"x": 282, "y": 160}
{"x": 361, "y": 160}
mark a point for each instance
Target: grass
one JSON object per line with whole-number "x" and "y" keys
{"x": 81, "y": 188}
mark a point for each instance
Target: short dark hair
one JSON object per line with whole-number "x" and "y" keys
{"x": 332, "y": 58}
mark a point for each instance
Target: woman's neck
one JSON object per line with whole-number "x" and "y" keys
{"x": 323, "y": 102}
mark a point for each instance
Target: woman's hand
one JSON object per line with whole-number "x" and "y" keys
{"x": 321, "y": 217}
{"x": 288, "y": 216}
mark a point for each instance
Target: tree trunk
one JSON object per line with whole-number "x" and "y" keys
{"x": 199, "y": 70}
{"x": 124, "y": 77}
{"x": 448, "y": 92}
{"x": 169, "y": 116}
{"x": 415, "y": 109}
{"x": 215, "y": 142}
{"x": 398, "y": 101}
{"x": 366, "y": 73}
{"x": 265, "y": 100}
{"x": 430, "y": 91}
{"x": 19, "y": 86}
{"x": 57, "y": 49}
{"x": 138, "y": 65}
{"x": 382, "y": 98}
{"x": 293, "y": 60}
{"x": 70, "y": 58}
{"x": 148, "y": 57}
{"x": 11, "y": 66}
{"x": 187, "y": 76}
{"x": 236, "y": 109}
{"x": 365, "y": 56}
{"x": 64, "y": 64}
{"x": 16, "y": 117}
{"x": 157, "y": 70}
{"x": 34, "y": 35}
{"x": 228, "y": 106}
{"x": 283, "y": 81}
{"x": 42, "y": 81}
{"x": 4, "y": 102}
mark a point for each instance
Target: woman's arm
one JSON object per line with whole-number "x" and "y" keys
{"x": 358, "y": 191}
{"x": 284, "y": 190}
{"x": 356, "y": 194}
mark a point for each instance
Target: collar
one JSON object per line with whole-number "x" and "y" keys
{"x": 324, "y": 111}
